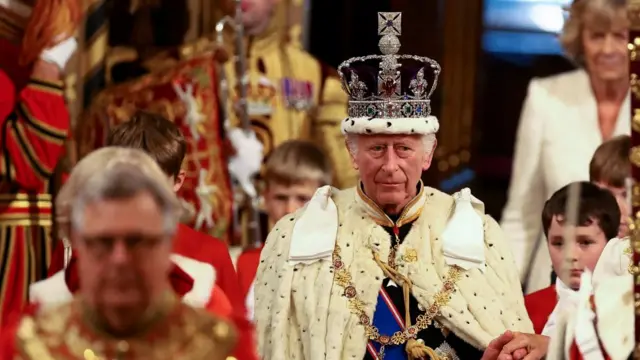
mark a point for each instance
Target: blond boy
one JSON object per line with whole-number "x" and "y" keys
{"x": 293, "y": 172}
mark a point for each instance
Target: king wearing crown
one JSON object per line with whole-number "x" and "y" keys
{"x": 390, "y": 269}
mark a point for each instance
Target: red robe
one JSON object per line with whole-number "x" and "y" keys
{"x": 34, "y": 125}
{"x": 540, "y": 305}
{"x": 201, "y": 247}
{"x": 247, "y": 266}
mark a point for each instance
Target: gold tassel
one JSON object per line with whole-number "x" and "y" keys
{"x": 418, "y": 350}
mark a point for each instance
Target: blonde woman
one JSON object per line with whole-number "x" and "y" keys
{"x": 564, "y": 119}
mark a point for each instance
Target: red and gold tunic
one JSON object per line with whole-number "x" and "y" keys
{"x": 34, "y": 126}
{"x": 174, "y": 331}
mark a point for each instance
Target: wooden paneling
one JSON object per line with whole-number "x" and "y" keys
{"x": 461, "y": 34}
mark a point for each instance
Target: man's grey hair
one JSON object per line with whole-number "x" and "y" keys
{"x": 352, "y": 142}
{"x": 114, "y": 173}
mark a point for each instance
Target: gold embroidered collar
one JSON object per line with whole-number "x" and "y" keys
{"x": 154, "y": 314}
{"x": 411, "y": 211}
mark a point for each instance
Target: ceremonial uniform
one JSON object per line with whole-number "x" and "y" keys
{"x": 172, "y": 331}
{"x": 185, "y": 93}
{"x": 34, "y": 128}
{"x": 341, "y": 279}
{"x": 312, "y": 311}
{"x": 292, "y": 95}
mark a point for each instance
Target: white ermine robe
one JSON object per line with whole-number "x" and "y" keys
{"x": 302, "y": 314}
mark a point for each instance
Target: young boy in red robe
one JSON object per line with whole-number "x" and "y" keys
{"x": 293, "y": 172}
{"x": 598, "y": 221}
{"x": 163, "y": 140}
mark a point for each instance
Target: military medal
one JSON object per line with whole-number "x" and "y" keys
{"x": 298, "y": 94}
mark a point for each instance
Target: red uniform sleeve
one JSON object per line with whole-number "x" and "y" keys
{"x": 33, "y": 135}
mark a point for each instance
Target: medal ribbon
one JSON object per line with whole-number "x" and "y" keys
{"x": 388, "y": 320}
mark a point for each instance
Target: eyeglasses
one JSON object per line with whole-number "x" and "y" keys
{"x": 136, "y": 245}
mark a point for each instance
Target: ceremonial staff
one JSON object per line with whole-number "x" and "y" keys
{"x": 634, "y": 70}
{"x": 246, "y": 163}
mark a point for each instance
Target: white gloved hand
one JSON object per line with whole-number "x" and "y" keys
{"x": 61, "y": 53}
{"x": 248, "y": 158}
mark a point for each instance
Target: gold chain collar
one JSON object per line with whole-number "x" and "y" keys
{"x": 356, "y": 305}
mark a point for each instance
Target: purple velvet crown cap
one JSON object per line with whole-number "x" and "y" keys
{"x": 368, "y": 70}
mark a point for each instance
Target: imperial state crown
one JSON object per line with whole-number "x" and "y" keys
{"x": 389, "y": 93}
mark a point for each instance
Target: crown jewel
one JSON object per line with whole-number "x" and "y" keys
{"x": 389, "y": 86}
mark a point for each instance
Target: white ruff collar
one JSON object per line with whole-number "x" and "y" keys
{"x": 568, "y": 300}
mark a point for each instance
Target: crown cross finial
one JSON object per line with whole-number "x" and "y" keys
{"x": 389, "y": 23}
{"x": 389, "y": 27}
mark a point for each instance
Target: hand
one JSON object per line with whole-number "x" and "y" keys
{"x": 525, "y": 347}
{"x": 495, "y": 346}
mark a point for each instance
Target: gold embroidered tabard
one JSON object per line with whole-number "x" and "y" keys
{"x": 180, "y": 333}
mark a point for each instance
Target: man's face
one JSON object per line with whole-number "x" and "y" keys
{"x": 570, "y": 259}
{"x": 621, "y": 195}
{"x": 256, "y": 15}
{"x": 123, "y": 255}
{"x": 281, "y": 200}
{"x": 390, "y": 167}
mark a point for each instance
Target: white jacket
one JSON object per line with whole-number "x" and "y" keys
{"x": 557, "y": 136}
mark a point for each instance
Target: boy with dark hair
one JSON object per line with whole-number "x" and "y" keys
{"x": 164, "y": 142}
{"x": 598, "y": 221}
{"x": 293, "y": 172}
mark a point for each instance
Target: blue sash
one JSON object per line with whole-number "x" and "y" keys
{"x": 388, "y": 320}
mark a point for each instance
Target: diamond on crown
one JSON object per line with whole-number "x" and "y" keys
{"x": 388, "y": 98}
